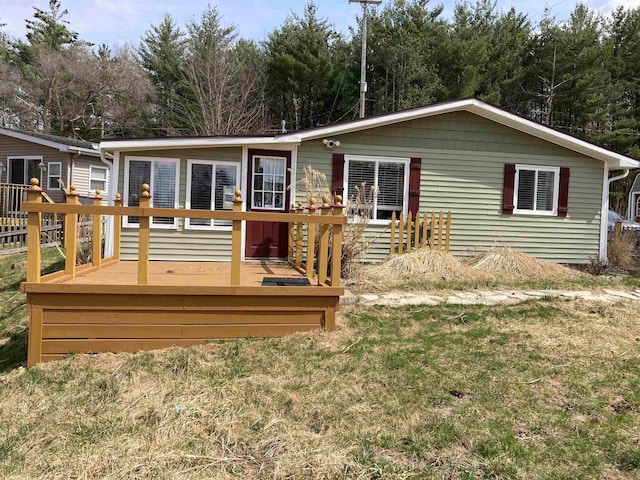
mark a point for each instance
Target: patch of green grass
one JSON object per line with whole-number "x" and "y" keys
{"x": 13, "y": 315}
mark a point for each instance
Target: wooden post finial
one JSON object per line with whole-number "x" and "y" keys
{"x": 34, "y": 182}
{"x": 145, "y": 190}
{"x": 72, "y": 190}
{"x": 338, "y": 200}
{"x": 325, "y": 200}
{"x": 118, "y": 197}
{"x": 238, "y": 194}
{"x": 312, "y": 203}
{"x": 98, "y": 192}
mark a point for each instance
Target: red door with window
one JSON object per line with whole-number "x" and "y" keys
{"x": 269, "y": 176}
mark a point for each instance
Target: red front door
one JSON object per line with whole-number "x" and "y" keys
{"x": 269, "y": 176}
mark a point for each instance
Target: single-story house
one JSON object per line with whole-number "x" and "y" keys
{"x": 51, "y": 159}
{"x": 507, "y": 180}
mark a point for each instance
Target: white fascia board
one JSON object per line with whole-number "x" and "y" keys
{"x": 39, "y": 141}
{"x": 612, "y": 159}
{"x": 202, "y": 142}
{"x": 382, "y": 120}
{"x": 86, "y": 151}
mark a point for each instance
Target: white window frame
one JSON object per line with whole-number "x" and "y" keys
{"x": 24, "y": 166}
{"x": 153, "y": 160}
{"x": 556, "y": 190}
{"x": 377, "y": 161}
{"x": 106, "y": 178}
{"x": 253, "y": 172}
{"x": 213, "y": 164}
{"x": 49, "y": 187}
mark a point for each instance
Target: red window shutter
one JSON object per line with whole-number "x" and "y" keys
{"x": 508, "y": 188}
{"x": 337, "y": 175}
{"x": 563, "y": 194}
{"x": 415, "y": 166}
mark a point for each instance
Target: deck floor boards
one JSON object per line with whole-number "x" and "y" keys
{"x": 185, "y": 274}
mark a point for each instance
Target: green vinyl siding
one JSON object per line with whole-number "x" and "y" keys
{"x": 463, "y": 157}
{"x": 181, "y": 243}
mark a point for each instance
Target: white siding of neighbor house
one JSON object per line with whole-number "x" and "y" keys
{"x": 80, "y": 175}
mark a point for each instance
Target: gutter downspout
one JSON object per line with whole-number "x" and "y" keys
{"x": 604, "y": 225}
{"x": 108, "y": 240}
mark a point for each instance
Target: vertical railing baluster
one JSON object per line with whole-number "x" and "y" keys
{"x": 336, "y": 247}
{"x": 311, "y": 239}
{"x": 143, "y": 237}
{"x": 236, "y": 241}
{"x": 392, "y": 240}
{"x": 446, "y": 245}
{"x": 299, "y": 237}
{"x": 34, "y": 229}
{"x": 401, "y": 234}
{"x": 117, "y": 228}
{"x": 440, "y": 226}
{"x": 292, "y": 237}
{"x": 96, "y": 254}
{"x": 323, "y": 255}
{"x": 71, "y": 234}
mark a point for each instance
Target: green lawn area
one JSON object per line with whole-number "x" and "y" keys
{"x": 547, "y": 389}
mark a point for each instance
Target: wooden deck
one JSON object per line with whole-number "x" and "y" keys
{"x": 112, "y": 305}
{"x": 184, "y": 303}
{"x": 191, "y": 274}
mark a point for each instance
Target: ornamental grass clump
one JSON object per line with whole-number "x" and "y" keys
{"x": 506, "y": 263}
{"x": 358, "y": 210}
{"x": 422, "y": 265}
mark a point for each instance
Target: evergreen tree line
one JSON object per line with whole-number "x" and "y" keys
{"x": 580, "y": 75}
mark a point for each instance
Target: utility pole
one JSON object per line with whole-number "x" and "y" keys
{"x": 363, "y": 62}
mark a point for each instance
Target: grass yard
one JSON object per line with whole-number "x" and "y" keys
{"x": 547, "y": 389}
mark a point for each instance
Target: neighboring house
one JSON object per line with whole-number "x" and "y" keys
{"x": 24, "y": 155}
{"x": 634, "y": 200}
{"x": 507, "y": 180}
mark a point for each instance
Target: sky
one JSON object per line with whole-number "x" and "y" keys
{"x": 119, "y": 22}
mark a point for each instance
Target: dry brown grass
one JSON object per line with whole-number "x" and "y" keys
{"x": 498, "y": 264}
{"x": 621, "y": 249}
{"x": 423, "y": 265}
{"x": 504, "y": 262}
{"x": 549, "y": 391}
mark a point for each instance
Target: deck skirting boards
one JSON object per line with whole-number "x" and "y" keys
{"x": 68, "y": 321}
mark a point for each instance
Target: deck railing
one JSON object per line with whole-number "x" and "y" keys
{"x": 323, "y": 256}
{"x": 420, "y": 231}
{"x": 330, "y": 221}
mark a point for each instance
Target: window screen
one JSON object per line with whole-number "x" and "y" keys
{"x": 536, "y": 189}
{"x": 98, "y": 179}
{"x": 161, "y": 177}
{"x": 212, "y": 188}
{"x": 387, "y": 179}
{"x": 55, "y": 172}
{"x": 164, "y": 189}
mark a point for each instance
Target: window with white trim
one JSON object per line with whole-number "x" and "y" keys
{"x": 162, "y": 175}
{"x": 536, "y": 190}
{"x": 211, "y": 186}
{"x": 386, "y": 179}
{"x": 98, "y": 178}
{"x": 54, "y": 174}
{"x": 23, "y": 169}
